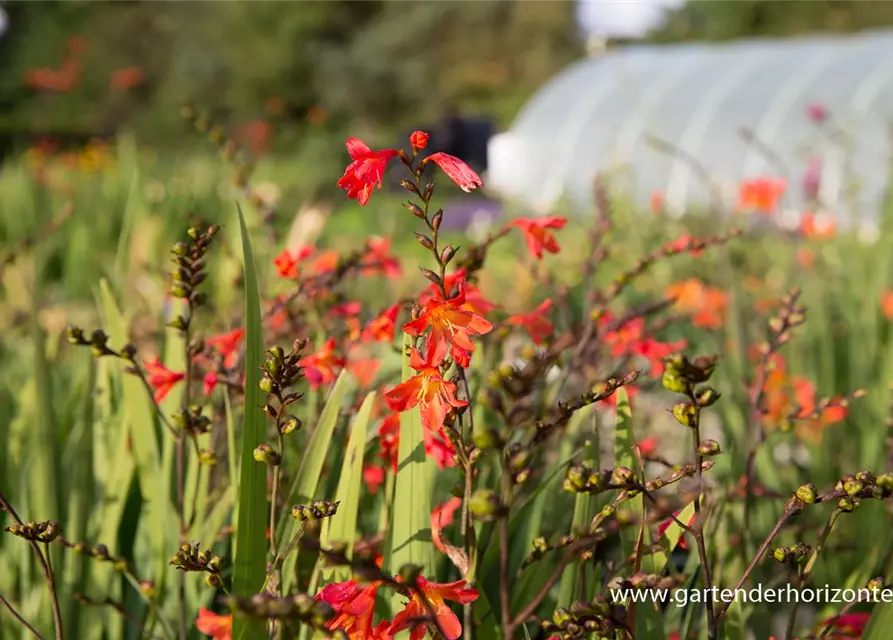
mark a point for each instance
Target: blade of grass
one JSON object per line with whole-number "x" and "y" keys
{"x": 250, "y": 552}
{"x": 306, "y": 481}
{"x": 411, "y": 541}
{"x": 342, "y": 527}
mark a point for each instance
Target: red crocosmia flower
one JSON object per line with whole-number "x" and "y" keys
{"x": 209, "y": 382}
{"x": 366, "y": 171}
{"x": 287, "y": 262}
{"x": 434, "y": 396}
{"x": 379, "y": 260}
{"x": 682, "y": 244}
{"x": 535, "y": 323}
{"x": 761, "y": 194}
{"x": 214, "y": 625}
{"x": 817, "y": 228}
{"x": 648, "y": 445}
{"x": 663, "y": 526}
{"x": 656, "y": 202}
{"x": 322, "y": 367}
{"x": 624, "y": 338}
{"x": 347, "y": 309}
{"x": 324, "y": 262}
{"x": 655, "y": 352}
{"x": 451, "y": 327}
{"x": 277, "y": 319}
{"x": 887, "y": 304}
{"x": 459, "y": 172}
{"x": 382, "y": 328}
{"x": 389, "y": 440}
{"x": 418, "y": 140}
{"x": 354, "y": 607}
{"x": 436, "y": 595}
{"x": 849, "y": 626}
{"x": 362, "y": 367}
{"x": 161, "y": 378}
{"x": 537, "y": 236}
{"x": 227, "y": 344}
{"x": 441, "y": 517}
{"x": 437, "y": 446}
{"x": 127, "y": 78}
{"x": 474, "y": 299}
{"x": 373, "y": 477}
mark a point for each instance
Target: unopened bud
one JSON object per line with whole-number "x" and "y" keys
{"x": 709, "y": 448}
{"x": 807, "y": 493}
{"x": 264, "y": 453}
{"x": 707, "y": 396}
{"x": 425, "y": 241}
{"x": 436, "y": 219}
{"x": 484, "y": 504}
{"x": 685, "y": 413}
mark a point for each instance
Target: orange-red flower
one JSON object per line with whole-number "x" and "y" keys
{"x": 434, "y": 396}
{"x": 474, "y": 299}
{"x": 162, "y": 379}
{"x": 373, "y": 477}
{"x": 366, "y": 171}
{"x": 451, "y": 329}
{"x": 682, "y": 244}
{"x": 437, "y": 446}
{"x": 227, "y": 345}
{"x": 648, "y": 445}
{"x": 436, "y": 596}
{"x": 362, "y": 366}
{"x": 706, "y": 305}
{"x": 656, "y": 202}
{"x": 441, "y": 517}
{"x": 214, "y": 625}
{"x": 887, "y": 304}
{"x": 457, "y": 171}
{"x": 287, "y": 262}
{"x": 537, "y": 236}
{"x": 848, "y": 626}
{"x": 322, "y": 367}
{"x": 379, "y": 260}
{"x": 761, "y": 195}
{"x": 127, "y": 78}
{"x": 663, "y": 526}
{"x": 389, "y": 440}
{"x": 820, "y": 228}
{"x": 354, "y": 607}
{"x": 418, "y": 140}
{"x": 325, "y": 261}
{"x": 381, "y": 329}
{"x": 535, "y": 323}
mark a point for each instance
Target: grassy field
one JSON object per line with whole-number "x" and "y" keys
{"x": 87, "y": 243}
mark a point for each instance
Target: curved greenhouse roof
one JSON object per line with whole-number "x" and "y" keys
{"x": 597, "y": 117}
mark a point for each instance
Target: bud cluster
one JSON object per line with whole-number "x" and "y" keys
{"x": 301, "y": 607}
{"x": 192, "y": 421}
{"x": 681, "y": 375}
{"x": 189, "y": 258}
{"x": 642, "y": 580}
{"x": 281, "y": 371}
{"x": 599, "y": 618}
{"x": 190, "y": 557}
{"x": 318, "y": 510}
{"x": 101, "y": 553}
{"x": 45, "y": 532}
{"x": 583, "y": 479}
{"x": 98, "y": 343}
{"x": 794, "y": 554}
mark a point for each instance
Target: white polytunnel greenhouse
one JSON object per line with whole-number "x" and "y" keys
{"x": 601, "y": 116}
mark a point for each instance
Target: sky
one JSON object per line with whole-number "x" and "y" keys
{"x": 622, "y": 18}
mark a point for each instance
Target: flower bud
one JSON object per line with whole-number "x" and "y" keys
{"x": 425, "y": 241}
{"x": 289, "y": 425}
{"x": 685, "y": 413}
{"x": 672, "y": 381}
{"x": 264, "y": 453}
{"x": 484, "y": 504}
{"x": 266, "y": 384}
{"x": 709, "y": 448}
{"x": 447, "y": 254}
{"x": 623, "y": 476}
{"x": 707, "y": 396}
{"x": 807, "y": 493}
{"x": 847, "y": 505}
{"x": 437, "y": 219}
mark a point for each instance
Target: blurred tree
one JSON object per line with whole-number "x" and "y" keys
{"x": 723, "y": 20}
{"x": 383, "y": 62}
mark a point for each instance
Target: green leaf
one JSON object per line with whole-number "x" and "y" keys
{"x": 585, "y": 508}
{"x": 342, "y": 527}
{"x": 411, "y": 518}
{"x": 303, "y": 489}
{"x": 880, "y": 623}
{"x": 250, "y": 554}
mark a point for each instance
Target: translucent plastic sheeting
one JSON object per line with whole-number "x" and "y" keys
{"x": 596, "y": 117}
